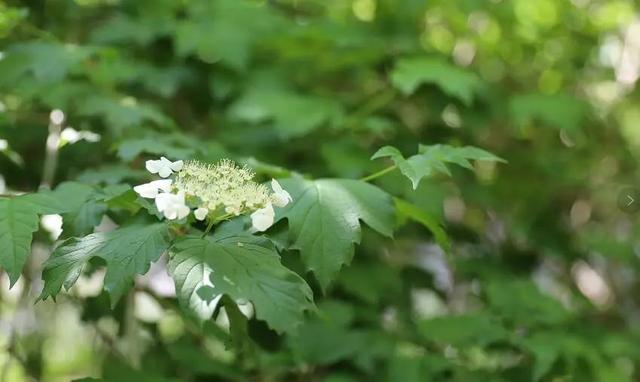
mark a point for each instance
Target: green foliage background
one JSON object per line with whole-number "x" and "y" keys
{"x": 518, "y": 271}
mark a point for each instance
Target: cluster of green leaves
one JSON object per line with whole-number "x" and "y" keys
{"x": 347, "y": 285}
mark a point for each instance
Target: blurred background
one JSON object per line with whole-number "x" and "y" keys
{"x": 537, "y": 276}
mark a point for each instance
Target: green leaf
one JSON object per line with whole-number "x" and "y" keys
{"x": 242, "y": 267}
{"x": 120, "y": 114}
{"x": 434, "y": 158}
{"x": 174, "y": 146}
{"x": 130, "y": 149}
{"x": 18, "y": 222}
{"x": 324, "y": 220}
{"x": 546, "y": 349}
{"x": 207, "y": 293}
{"x": 561, "y": 111}
{"x": 224, "y": 31}
{"x": 320, "y": 342}
{"x": 195, "y": 357}
{"x": 238, "y": 328}
{"x": 522, "y": 302}
{"x": 127, "y": 251}
{"x": 328, "y": 338}
{"x": 463, "y": 330}
{"x": 409, "y": 73}
{"x": 417, "y": 367}
{"x": 191, "y": 275}
{"x": 72, "y": 195}
{"x": 46, "y": 61}
{"x": 293, "y": 114}
{"x": 110, "y": 174}
{"x": 407, "y": 210}
{"x": 139, "y": 30}
{"x": 84, "y": 205}
{"x": 19, "y": 219}
{"x": 85, "y": 219}
{"x": 82, "y": 211}
{"x": 370, "y": 282}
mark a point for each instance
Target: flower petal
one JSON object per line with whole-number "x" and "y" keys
{"x": 70, "y": 135}
{"x": 163, "y": 184}
{"x": 165, "y": 172}
{"x": 280, "y": 197}
{"x": 177, "y": 165}
{"x": 151, "y": 189}
{"x": 153, "y": 166}
{"x": 183, "y": 211}
{"x": 170, "y": 213}
{"x": 146, "y": 190}
{"x": 163, "y": 201}
{"x": 276, "y": 186}
{"x": 201, "y": 213}
{"x": 262, "y": 219}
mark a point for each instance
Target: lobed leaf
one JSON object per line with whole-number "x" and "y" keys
{"x": 407, "y": 210}
{"x": 19, "y": 219}
{"x": 410, "y": 73}
{"x": 127, "y": 251}
{"x": 324, "y": 220}
{"x": 561, "y": 111}
{"x": 434, "y": 158}
{"x": 242, "y": 267}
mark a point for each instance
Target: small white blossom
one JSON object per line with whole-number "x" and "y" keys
{"x": 262, "y": 219}
{"x": 3, "y": 144}
{"x": 201, "y": 213}
{"x": 152, "y": 189}
{"x": 71, "y": 135}
{"x": 56, "y": 117}
{"x": 52, "y": 224}
{"x": 280, "y": 197}
{"x": 163, "y": 167}
{"x": 172, "y": 206}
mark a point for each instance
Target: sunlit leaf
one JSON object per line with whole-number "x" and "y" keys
{"x": 561, "y": 111}
{"x": 434, "y": 159}
{"x": 19, "y": 219}
{"x": 243, "y": 267}
{"x": 292, "y": 114}
{"x": 324, "y": 220}
{"x": 127, "y": 251}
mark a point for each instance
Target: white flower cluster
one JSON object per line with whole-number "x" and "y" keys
{"x": 216, "y": 190}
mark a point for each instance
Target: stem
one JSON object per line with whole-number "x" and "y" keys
{"x": 379, "y": 173}
{"x": 214, "y": 221}
{"x": 134, "y": 352}
{"x": 211, "y": 222}
{"x": 51, "y": 155}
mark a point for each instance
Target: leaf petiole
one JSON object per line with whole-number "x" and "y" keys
{"x": 379, "y": 173}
